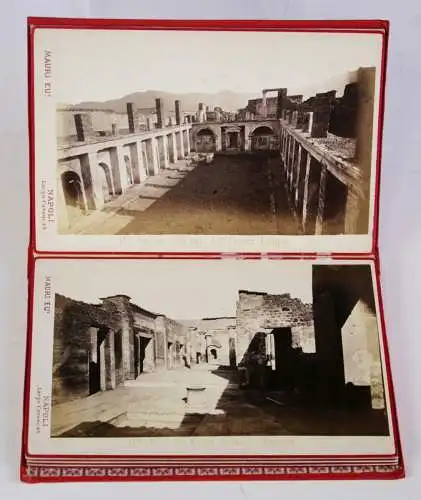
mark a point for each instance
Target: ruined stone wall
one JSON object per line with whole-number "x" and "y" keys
{"x": 213, "y": 333}
{"x": 100, "y": 121}
{"x": 348, "y": 347}
{"x": 177, "y": 340}
{"x": 72, "y": 344}
{"x": 262, "y": 312}
{"x": 362, "y": 353}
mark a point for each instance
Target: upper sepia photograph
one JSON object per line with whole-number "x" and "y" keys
{"x": 204, "y": 133}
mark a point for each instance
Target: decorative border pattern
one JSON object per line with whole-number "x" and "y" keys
{"x": 38, "y": 474}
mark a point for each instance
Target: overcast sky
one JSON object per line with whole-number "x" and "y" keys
{"x": 100, "y": 65}
{"x": 180, "y": 289}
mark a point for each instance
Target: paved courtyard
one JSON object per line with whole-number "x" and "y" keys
{"x": 238, "y": 194}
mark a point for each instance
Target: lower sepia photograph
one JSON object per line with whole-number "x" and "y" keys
{"x": 208, "y": 357}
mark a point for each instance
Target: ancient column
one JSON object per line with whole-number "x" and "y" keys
{"x": 321, "y": 204}
{"x": 130, "y": 117}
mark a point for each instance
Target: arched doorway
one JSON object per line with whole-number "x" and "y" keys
{"x": 129, "y": 170}
{"x": 106, "y": 181}
{"x": 263, "y": 139}
{"x": 205, "y": 141}
{"x": 73, "y": 195}
{"x": 213, "y": 353}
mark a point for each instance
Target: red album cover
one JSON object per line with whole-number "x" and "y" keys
{"x": 204, "y": 283}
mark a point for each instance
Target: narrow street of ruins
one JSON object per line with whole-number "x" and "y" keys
{"x": 233, "y": 194}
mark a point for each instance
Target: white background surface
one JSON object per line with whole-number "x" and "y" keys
{"x": 400, "y": 234}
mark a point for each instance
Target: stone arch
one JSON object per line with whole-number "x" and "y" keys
{"x": 205, "y": 140}
{"x": 262, "y": 138}
{"x": 73, "y": 194}
{"x": 213, "y": 352}
{"x": 261, "y": 130}
{"x": 106, "y": 181}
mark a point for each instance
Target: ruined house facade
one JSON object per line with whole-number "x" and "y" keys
{"x": 328, "y": 348}
{"x": 99, "y": 346}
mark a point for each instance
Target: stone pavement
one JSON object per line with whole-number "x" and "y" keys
{"x": 119, "y": 212}
{"x": 155, "y": 405}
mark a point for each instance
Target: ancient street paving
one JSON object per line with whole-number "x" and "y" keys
{"x": 238, "y": 194}
{"x": 155, "y": 405}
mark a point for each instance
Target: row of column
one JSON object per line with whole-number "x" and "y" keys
{"x": 323, "y": 203}
{"x": 144, "y": 158}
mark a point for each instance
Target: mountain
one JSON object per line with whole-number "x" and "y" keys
{"x": 227, "y": 100}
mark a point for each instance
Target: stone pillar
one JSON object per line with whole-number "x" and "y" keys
{"x": 149, "y": 123}
{"x": 291, "y": 160}
{"x": 174, "y": 148}
{"x": 291, "y": 164}
{"x": 119, "y": 307}
{"x": 309, "y": 123}
{"x": 135, "y": 154}
{"x": 161, "y": 343}
{"x": 160, "y": 113}
{"x": 155, "y": 150}
{"x": 118, "y": 169}
{"x": 130, "y": 117}
{"x": 321, "y": 114}
{"x": 187, "y": 141}
{"x": 218, "y": 139}
{"x": 178, "y": 112}
{"x": 163, "y": 151}
{"x": 110, "y": 376}
{"x": 300, "y": 119}
{"x": 352, "y": 212}
{"x": 305, "y": 195}
{"x": 83, "y": 127}
{"x": 180, "y": 145}
{"x": 142, "y": 167}
{"x": 93, "y": 193}
{"x": 264, "y": 104}
{"x": 321, "y": 204}
{"x": 282, "y": 93}
{"x": 297, "y": 173}
{"x": 294, "y": 119}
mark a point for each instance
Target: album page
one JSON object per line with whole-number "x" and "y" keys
{"x": 211, "y": 139}
{"x": 167, "y": 357}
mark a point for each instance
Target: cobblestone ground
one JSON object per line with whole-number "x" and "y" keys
{"x": 156, "y": 405}
{"x": 238, "y": 194}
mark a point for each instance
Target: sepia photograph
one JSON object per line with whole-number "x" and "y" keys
{"x": 275, "y": 349}
{"x": 203, "y": 133}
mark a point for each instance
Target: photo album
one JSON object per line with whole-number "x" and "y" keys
{"x": 203, "y": 275}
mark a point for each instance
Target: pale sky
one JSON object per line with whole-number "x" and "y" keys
{"x": 100, "y": 65}
{"x": 176, "y": 288}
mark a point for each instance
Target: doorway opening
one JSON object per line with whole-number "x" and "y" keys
{"x": 73, "y": 195}
{"x": 97, "y": 366}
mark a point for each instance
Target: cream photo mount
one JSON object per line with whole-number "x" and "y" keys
{"x": 119, "y": 276}
{"x": 122, "y": 179}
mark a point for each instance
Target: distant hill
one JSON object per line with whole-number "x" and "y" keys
{"x": 227, "y": 100}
